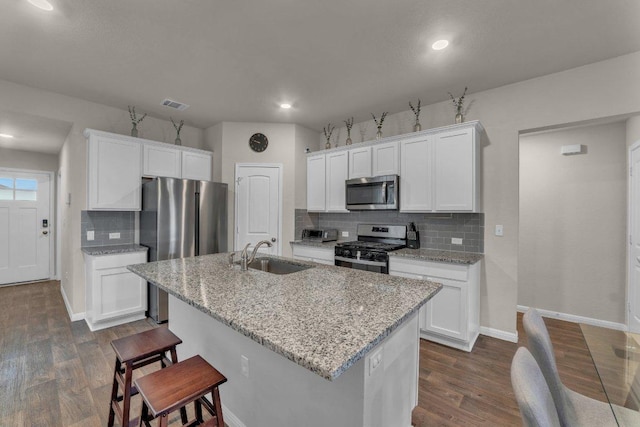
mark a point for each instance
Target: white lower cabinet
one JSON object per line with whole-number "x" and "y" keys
{"x": 452, "y": 316}
{"x": 314, "y": 254}
{"x": 113, "y": 294}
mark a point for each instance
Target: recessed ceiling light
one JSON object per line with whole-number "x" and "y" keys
{"x": 440, "y": 44}
{"x": 42, "y": 4}
{"x": 6, "y": 135}
{"x": 285, "y": 106}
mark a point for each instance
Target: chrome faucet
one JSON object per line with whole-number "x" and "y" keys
{"x": 245, "y": 259}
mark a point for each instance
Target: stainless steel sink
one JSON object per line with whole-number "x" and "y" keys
{"x": 277, "y": 266}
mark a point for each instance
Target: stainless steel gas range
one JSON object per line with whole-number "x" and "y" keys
{"x": 370, "y": 251}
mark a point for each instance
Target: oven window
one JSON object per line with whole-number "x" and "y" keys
{"x": 366, "y": 194}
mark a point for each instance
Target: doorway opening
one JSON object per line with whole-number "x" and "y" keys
{"x": 573, "y": 223}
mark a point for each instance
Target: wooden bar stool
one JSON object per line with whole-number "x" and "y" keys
{"x": 173, "y": 388}
{"x": 133, "y": 352}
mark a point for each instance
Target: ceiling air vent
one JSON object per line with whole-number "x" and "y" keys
{"x": 175, "y": 104}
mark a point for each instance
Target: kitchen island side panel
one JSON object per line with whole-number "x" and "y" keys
{"x": 279, "y": 392}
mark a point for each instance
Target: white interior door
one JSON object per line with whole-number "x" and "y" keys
{"x": 258, "y": 206}
{"x": 634, "y": 239}
{"x": 25, "y": 226}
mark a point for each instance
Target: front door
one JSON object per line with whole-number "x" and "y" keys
{"x": 25, "y": 226}
{"x": 258, "y": 206}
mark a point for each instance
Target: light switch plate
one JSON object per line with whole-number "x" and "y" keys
{"x": 345, "y": 234}
{"x": 91, "y": 235}
{"x": 499, "y": 231}
{"x": 114, "y": 236}
{"x": 456, "y": 241}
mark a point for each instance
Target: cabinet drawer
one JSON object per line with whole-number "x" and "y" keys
{"x": 313, "y": 253}
{"x": 429, "y": 269}
{"x": 119, "y": 260}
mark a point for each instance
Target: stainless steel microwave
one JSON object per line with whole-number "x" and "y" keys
{"x": 374, "y": 193}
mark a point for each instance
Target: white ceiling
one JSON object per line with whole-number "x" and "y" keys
{"x": 236, "y": 60}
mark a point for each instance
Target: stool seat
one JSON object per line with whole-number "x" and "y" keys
{"x": 133, "y": 352}
{"x": 145, "y": 344}
{"x": 178, "y": 385}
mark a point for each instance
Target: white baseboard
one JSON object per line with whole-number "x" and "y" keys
{"x": 230, "y": 418}
{"x": 576, "y": 319}
{"x": 499, "y": 334}
{"x": 72, "y": 316}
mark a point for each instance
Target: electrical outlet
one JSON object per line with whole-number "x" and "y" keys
{"x": 244, "y": 365}
{"x": 345, "y": 234}
{"x": 91, "y": 235}
{"x": 456, "y": 241}
{"x": 499, "y": 231}
{"x": 114, "y": 236}
{"x": 374, "y": 361}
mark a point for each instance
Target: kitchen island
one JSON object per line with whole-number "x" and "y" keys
{"x": 319, "y": 347}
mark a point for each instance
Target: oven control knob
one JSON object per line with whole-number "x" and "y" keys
{"x": 346, "y": 253}
{"x": 381, "y": 257}
{"x": 366, "y": 255}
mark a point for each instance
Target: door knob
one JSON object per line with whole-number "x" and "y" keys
{"x": 45, "y": 232}
{"x": 273, "y": 239}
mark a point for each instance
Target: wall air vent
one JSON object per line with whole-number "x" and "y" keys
{"x": 174, "y": 104}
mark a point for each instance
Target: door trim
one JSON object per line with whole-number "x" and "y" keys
{"x": 53, "y": 235}
{"x": 278, "y": 166}
{"x": 631, "y": 200}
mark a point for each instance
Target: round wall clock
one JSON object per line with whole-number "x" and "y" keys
{"x": 258, "y": 142}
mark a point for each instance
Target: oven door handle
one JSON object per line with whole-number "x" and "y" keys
{"x": 360, "y": 261}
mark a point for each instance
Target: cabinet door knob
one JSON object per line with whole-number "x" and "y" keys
{"x": 45, "y": 232}
{"x": 273, "y": 239}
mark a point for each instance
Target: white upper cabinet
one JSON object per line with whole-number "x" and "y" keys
{"x": 326, "y": 176}
{"x": 117, "y": 163}
{"x": 196, "y": 165}
{"x": 416, "y": 179}
{"x": 114, "y": 169}
{"x": 456, "y": 171}
{"x": 316, "y": 183}
{"x": 360, "y": 162}
{"x": 440, "y": 171}
{"x": 161, "y": 161}
{"x": 176, "y": 162}
{"x": 385, "y": 159}
{"x": 337, "y": 166}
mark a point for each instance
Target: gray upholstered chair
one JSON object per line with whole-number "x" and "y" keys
{"x": 574, "y": 409}
{"x": 532, "y": 393}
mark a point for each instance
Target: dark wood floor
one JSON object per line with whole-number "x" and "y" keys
{"x": 54, "y": 372}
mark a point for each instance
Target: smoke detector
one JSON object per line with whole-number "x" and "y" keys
{"x": 174, "y": 104}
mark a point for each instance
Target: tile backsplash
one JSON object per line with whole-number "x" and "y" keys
{"x": 436, "y": 230}
{"x": 104, "y": 222}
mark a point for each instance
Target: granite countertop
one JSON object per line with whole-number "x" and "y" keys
{"x": 328, "y": 245}
{"x": 113, "y": 249}
{"x": 324, "y": 318}
{"x": 451, "y": 257}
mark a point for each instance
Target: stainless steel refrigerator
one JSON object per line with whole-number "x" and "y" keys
{"x": 181, "y": 218}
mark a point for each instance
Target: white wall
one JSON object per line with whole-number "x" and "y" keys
{"x": 230, "y": 143}
{"x": 304, "y": 138}
{"x": 604, "y": 89}
{"x": 573, "y": 212}
{"x": 633, "y": 130}
{"x": 19, "y": 159}
{"x": 72, "y": 161}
